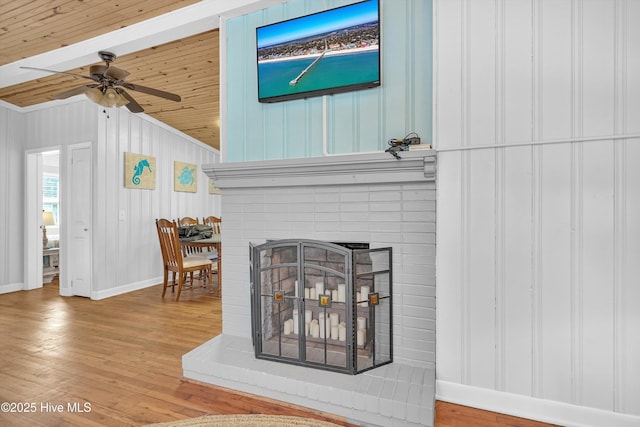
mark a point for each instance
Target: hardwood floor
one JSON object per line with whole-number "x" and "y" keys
{"x": 117, "y": 362}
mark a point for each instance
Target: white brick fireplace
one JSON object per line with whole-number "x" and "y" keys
{"x": 370, "y": 198}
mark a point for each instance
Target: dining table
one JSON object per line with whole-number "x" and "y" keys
{"x": 197, "y": 244}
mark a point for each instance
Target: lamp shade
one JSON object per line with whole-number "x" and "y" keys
{"x": 47, "y": 218}
{"x": 108, "y": 97}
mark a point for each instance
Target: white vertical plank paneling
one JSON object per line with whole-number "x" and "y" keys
{"x": 598, "y": 66}
{"x": 480, "y": 127}
{"x": 620, "y": 203}
{"x": 598, "y": 287}
{"x": 555, "y": 62}
{"x": 450, "y": 336}
{"x": 556, "y": 301}
{"x": 480, "y": 269}
{"x": 628, "y": 390}
{"x": 448, "y": 130}
{"x": 559, "y": 216}
{"x": 628, "y": 330}
{"x": 12, "y": 162}
{"x": 518, "y": 297}
{"x": 513, "y": 189}
{"x": 448, "y": 69}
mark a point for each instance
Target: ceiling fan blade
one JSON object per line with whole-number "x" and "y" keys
{"x": 59, "y": 72}
{"x": 154, "y": 92}
{"x": 133, "y": 106}
{"x": 73, "y": 92}
{"x": 116, "y": 73}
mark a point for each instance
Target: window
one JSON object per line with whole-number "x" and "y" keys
{"x": 50, "y": 194}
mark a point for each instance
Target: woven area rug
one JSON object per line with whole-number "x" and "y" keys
{"x": 250, "y": 420}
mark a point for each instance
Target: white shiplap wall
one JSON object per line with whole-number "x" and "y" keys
{"x": 539, "y": 240}
{"x": 126, "y": 255}
{"x": 11, "y": 219}
{"x": 132, "y": 244}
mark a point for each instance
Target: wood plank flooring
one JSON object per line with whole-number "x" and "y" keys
{"x": 117, "y": 362}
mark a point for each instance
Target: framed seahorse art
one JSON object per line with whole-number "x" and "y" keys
{"x": 139, "y": 171}
{"x": 185, "y": 177}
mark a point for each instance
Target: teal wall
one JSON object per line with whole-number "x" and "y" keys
{"x": 359, "y": 121}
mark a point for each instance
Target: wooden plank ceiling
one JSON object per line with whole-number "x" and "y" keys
{"x": 188, "y": 67}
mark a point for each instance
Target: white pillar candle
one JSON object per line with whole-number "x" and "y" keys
{"x": 360, "y": 337}
{"x": 341, "y": 292}
{"x": 313, "y": 294}
{"x": 322, "y": 324}
{"x": 319, "y": 288}
{"x": 295, "y": 289}
{"x": 364, "y": 295}
{"x": 287, "y": 327}
{"x": 334, "y": 295}
{"x": 295, "y": 321}
{"x": 308, "y": 316}
{"x": 315, "y": 330}
{"x": 342, "y": 332}
{"x": 361, "y": 322}
{"x": 335, "y": 319}
{"x": 307, "y": 295}
{"x": 334, "y": 332}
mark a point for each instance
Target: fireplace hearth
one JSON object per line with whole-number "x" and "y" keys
{"x": 322, "y": 305}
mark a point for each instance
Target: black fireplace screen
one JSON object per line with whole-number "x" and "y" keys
{"x": 321, "y": 304}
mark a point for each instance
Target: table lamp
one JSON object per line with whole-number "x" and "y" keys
{"x": 47, "y": 219}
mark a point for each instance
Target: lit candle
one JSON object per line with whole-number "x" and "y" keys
{"x": 342, "y": 332}
{"x": 334, "y": 332}
{"x": 341, "y": 292}
{"x": 335, "y": 319}
{"x": 295, "y": 321}
{"x": 319, "y": 288}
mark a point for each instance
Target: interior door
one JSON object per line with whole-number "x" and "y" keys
{"x": 79, "y": 214}
{"x": 33, "y": 219}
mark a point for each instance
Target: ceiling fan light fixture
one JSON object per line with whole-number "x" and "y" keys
{"x": 109, "y": 98}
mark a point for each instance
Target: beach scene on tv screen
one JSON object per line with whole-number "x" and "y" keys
{"x": 332, "y": 49}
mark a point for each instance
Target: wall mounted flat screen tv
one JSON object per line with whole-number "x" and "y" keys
{"x": 333, "y": 51}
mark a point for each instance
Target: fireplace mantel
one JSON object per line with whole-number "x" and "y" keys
{"x": 371, "y": 168}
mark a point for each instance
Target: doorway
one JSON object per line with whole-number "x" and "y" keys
{"x": 43, "y": 217}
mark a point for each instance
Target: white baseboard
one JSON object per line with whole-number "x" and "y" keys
{"x": 11, "y": 287}
{"x": 549, "y": 411}
{"x": 136, "y": 286}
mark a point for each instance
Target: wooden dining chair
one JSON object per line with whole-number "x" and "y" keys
{"x": 214, "y": 222}
{"x": 186, "y": 221}
{"x": 175, "y": 262}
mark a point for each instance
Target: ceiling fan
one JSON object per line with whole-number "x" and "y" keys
{"x": 108, "y": 87}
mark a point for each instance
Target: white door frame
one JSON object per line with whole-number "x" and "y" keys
{"x": 33, "y": 217}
